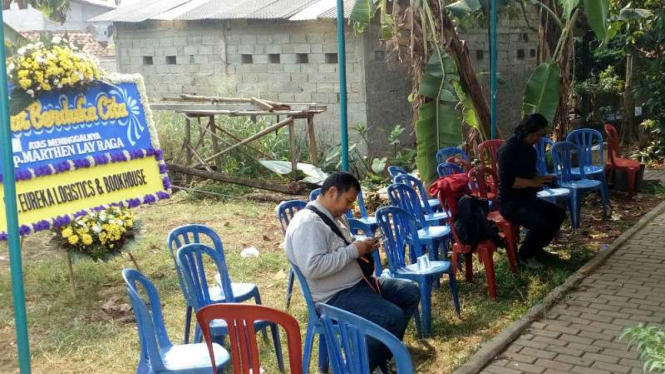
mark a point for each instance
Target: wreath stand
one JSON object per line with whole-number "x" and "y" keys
{"x": 70, "y": 268}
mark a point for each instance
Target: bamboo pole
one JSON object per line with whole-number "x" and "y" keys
{"x": 313, "y": 150}
{"x": 292, "y": 147}
{"x": 188, "y": 150}
{"x": 251, "y": 138}
{"x": 215, "y": 142}
{"x": 70, "y": 269}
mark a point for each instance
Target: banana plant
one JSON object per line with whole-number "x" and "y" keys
{"x": 544, "y": 86}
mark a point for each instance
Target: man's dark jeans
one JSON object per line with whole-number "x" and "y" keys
{"x": 391, "y": 310}
{"x": 541, "y": 218}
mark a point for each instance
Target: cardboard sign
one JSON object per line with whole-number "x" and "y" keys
{"x": 75, "y": 151}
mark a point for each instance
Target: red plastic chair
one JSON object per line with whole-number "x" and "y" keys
{"x": 485, "y": 249}
{"x": 483, "y": 182}
{"x": 240, "y": 319}
{"x": 631, "y": 167}
{"x": 464, "y": 164}
{"x": 488, "y": 153}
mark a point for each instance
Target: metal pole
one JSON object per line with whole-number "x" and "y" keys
{"x": 14, "y": 240}
{"x": 341, "y": 59}
{"x": 493, "y": 60}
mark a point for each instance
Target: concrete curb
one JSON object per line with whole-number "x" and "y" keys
{"x": 497, "y": 345}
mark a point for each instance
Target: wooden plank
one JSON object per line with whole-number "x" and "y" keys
{"x": 292, "y": 148}
{"x": 198, "y": 157}
{"x": 292, "y": 188}
{"x": 215, "y": 141}
{"x": 262, "y": 104}
{"x": 298, "y": 113}
{"x": 184, "y": 107}
{"x": 313, "y": 150}
{"x": 232, "y": 136}
{"x": 252, "y": 138}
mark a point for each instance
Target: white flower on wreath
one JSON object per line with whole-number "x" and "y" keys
{"x": 96, "y": 229}
{"x": 31, "y": 93}
{"x": 56, "y": 40}
{"x": 21, "y": 51}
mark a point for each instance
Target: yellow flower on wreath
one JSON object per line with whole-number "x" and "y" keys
{"x": 74, "y": 239}
{"x": 86, "y": 239}
{"x": 68, "y": 232}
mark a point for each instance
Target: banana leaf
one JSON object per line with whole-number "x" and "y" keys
{"x": 598, "y": 15}
{"x": 568, "y": 7}
{"x": 438, "y": 126}
{"x": 362, "y": 13}
{"x": 542, "y": 91}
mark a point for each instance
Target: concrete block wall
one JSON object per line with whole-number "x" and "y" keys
{"x": 198, "y": 49}
{"x": 291, "y": 80}
{"x": 514, "y": 67}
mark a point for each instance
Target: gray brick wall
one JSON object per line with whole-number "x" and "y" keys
{"x": 209, "y": 60}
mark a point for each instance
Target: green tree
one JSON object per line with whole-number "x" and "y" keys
{"x": 55, "y": 10}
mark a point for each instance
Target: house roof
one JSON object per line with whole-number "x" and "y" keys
{"x": 86, "y": 39}
{"x": 190, "y": 10}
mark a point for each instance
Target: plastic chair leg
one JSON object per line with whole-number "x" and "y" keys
{"x": 604, "y": 198}
{"x": 571, "y": 209}
{"x": 575, "y": 198}
{"x": 274, "y": 330}
{"x": 426, "y": 305}
{"x": 453, "y": 290}
{"x": 323, "y": 354}
{"x": 188, "y": 323}
{"x": 632, "y": 182}
{"x": 455, "y": 262}
{"x": 490, "y": 273}
{"x": 289, "y": 288}
{"x": 309, "y": 343}
{"x": 468, "y": 271}
{"x": 512, "y": 237}
{"x": 416, "y": 319}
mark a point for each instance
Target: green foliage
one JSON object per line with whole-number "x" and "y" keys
{"x": 654, "y": 152}
{"x": 650, "y": 342}
{"x": 597, "y": 13}
{"x": 542, "y": 91}
{"x": 240, "y": 162}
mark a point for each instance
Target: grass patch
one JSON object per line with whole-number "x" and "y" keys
{"x": 72, "y": 334}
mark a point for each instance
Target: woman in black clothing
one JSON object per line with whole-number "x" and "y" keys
{"x": 518, "y": 188}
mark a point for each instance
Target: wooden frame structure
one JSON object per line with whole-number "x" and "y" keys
{"x": 208, "y": 107}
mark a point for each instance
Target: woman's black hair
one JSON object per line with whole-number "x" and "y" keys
{"x": 530, "y": 124}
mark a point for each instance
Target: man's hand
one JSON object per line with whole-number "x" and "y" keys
{"x": 542, "y": 180}
{"x": 365, "y": 246}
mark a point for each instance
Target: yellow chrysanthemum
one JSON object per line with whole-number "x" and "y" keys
{"x": 68, "y": 232}
{"x": 73, "y": 239}
{"x": 86, "y": 239}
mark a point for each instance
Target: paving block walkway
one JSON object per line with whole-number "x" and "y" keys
{"x": 580, "y": 334}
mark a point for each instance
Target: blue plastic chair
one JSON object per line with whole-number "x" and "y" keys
{"x": 399, "y": 231}
{"x": 587, "y": 140}
{"x": 430, "y": 205}
{"x": 191, "y": 260}
{"x": 195, "y": 233}
{"x": 543, "y": 145}
{"x": 394, "y": 171}
{"x": 562, "y": 156}
{"x": 285, "y": 212}
{"x": 443, "y": 154}
{"x": 364, "y": 217}
{"x": 360, "y": 231}
{"x": 314, "y": 194}
{"x": 314, "y": 326}
{"x": 158, "y": 354}
{"x": 445, "y": 169}
{"x": 346, "y": 337}
{"x": 405, "y": 197}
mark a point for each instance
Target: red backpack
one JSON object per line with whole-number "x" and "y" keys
{"x": 457, "y": 186}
